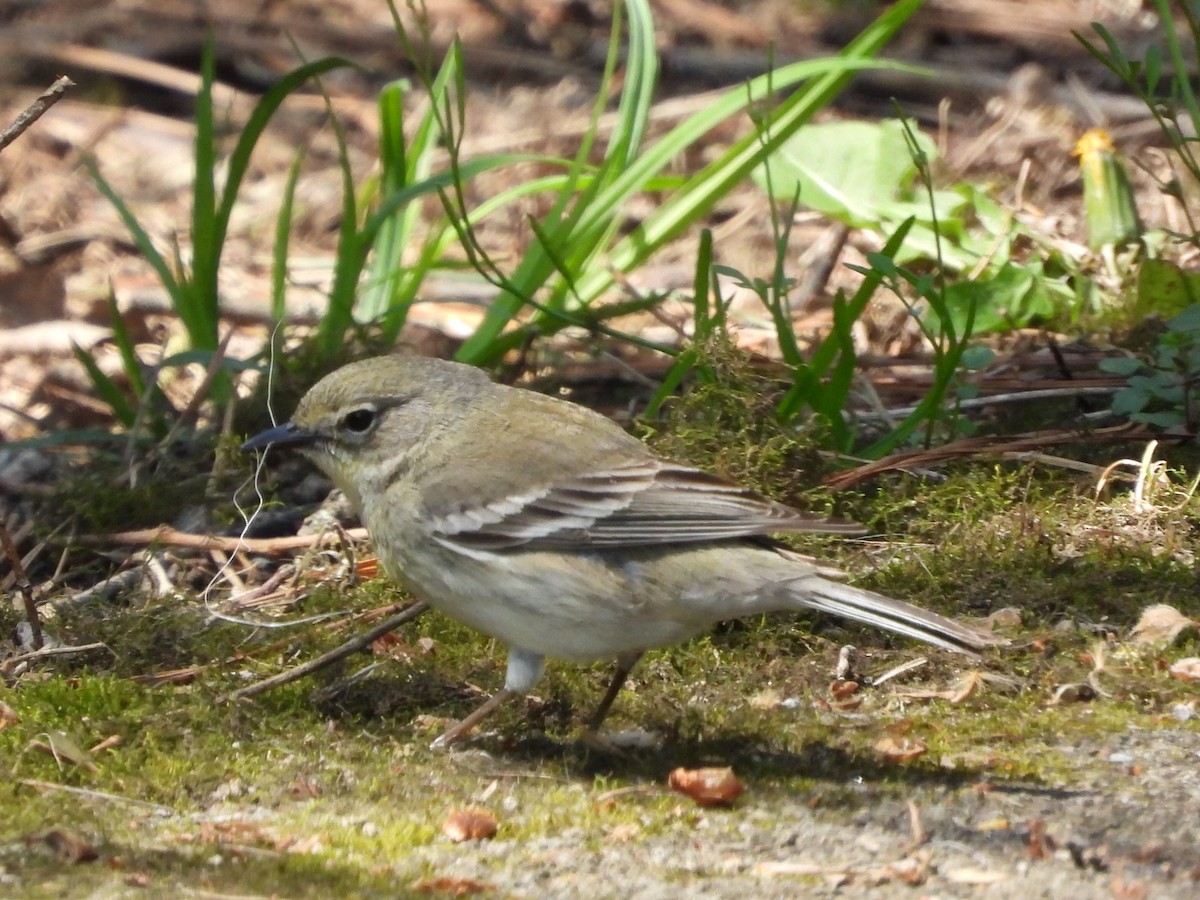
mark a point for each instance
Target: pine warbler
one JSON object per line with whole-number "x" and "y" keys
{"x": 544, "y": 525}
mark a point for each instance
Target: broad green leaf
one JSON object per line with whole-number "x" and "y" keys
{"x": 1165, "y": 289}
{"x": 850, "y": 171}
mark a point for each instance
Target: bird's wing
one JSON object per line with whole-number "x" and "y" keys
{"x": 636, "y": 503}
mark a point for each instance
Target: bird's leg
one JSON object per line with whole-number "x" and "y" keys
{"x": 524, "y": 669}
{"x": 625, "y": 664}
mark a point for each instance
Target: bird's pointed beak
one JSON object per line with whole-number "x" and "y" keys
{"x": 287, "y": 433}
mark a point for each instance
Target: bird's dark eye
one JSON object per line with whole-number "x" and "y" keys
{"x": 359, "y": 421}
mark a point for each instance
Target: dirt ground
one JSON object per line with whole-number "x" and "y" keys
{"x": 1121, "y": 820}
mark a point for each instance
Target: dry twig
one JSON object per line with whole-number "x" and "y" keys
{"x": 354, "y": 645}
{"x": 23, "y": 585}
{"x": 34, "y": 110}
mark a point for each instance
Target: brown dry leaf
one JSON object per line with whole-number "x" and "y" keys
{"x": 708, "y": 787}
{"x": 67, "y": 846}
{"x": 390, "y": 644}
{"x": 469, "y": 824}
{"x": 961, "y": 690}
{"x": 845, "y": 696}
{"x": 8, "y": 716}
{"x": 305, "y": 787}
{"x": 235, "y": 831}
{"x": 1187, "y": 669}
{"x": 455, "y": 887}
{"x": 900, "y": 749}
{"x": 843, "y": 689}
{"x": 1128, "y": 890}
{"x": 624, "y": 832}
{"x": 1040, "y": 845}
{"x": 1160, "y": 624}
{"x": 768, "y": 699}
{"x": 1008, "y": 617}
{"x": 912, "y": 870}
{"x": 966, "y": 686}
{"x": 314, "y": 843}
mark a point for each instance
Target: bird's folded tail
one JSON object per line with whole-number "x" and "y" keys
{"x": 896, "y": 616}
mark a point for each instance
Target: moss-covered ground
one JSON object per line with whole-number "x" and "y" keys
{"x": 327, "y": 786}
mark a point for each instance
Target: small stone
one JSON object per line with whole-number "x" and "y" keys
{"x": 1183, "y": 712}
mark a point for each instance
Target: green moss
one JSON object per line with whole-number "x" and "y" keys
{"x": 101, "y": 500}
{"x": 726, "y": 423}
{"x": 343, "y": 755}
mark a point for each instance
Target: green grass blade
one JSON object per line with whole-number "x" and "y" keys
{"x": 260, "y": 117}
{"x": 201, "y": 319}
{"x": 141, "y": 238}
{"x": 703, "y": 190}
{"x": 129, "y": 361}
{"x": 124, "y": 411}
{"x": 283, "y": 231}
{"x": 806, "y": 389}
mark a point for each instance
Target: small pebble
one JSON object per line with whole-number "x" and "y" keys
{"x": 1184, "y": 712}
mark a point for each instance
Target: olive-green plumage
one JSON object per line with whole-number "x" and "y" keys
{"x": 543, "y": 524}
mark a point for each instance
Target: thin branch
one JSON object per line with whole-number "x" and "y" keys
{"x": 166, "y": 536}
{"x": 23, "y": 585}
{"x": 34, "y": 111}
{"x": 98, "y": 795}
{"x": 9, "y": 664}
{"x": 353, "y": 645}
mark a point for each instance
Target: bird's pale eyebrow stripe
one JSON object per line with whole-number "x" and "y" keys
{"x": 382, "y": 403}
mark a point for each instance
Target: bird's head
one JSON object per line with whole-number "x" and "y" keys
{"x": 360, "y": 423}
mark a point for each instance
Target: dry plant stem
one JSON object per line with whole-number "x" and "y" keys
{"x": 167, "y": 536}
{"x": 457, "y": 732}
{"x": 23, "y": 532}
{"x": 23, "y": 585}
{"x": 225, "y": 569}
{"x": 34, "y": 110}
{"x": 101, "y": 795}
{"x": 284, "y": 572}
{"x": 200, "y": 394}
{"x": 1017, "y": 397}
{"x": 822, "y": 256}
{"x": 9, "y": 664}
{"x": 354, "y": 645}
{"x": 919, "y": 834}
{"x": 976, "y": 446}
{"x": 104, "y": 590}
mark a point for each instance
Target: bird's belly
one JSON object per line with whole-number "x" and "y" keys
{"x": 579, "y": 609}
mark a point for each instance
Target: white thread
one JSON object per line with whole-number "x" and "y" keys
{"x": 248, "y": 519}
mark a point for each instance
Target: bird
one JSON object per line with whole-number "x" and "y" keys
{"x": 545, "y": 525}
